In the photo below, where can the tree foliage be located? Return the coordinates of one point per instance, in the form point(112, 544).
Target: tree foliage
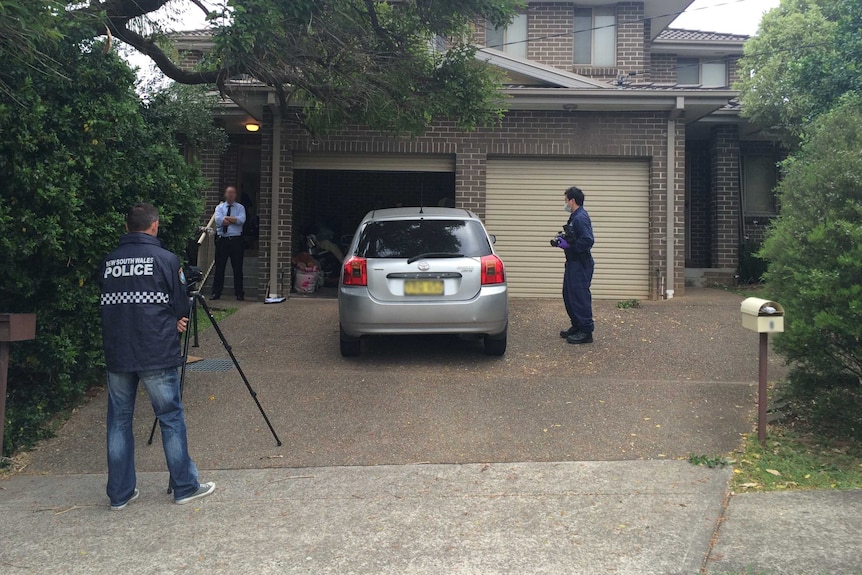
point(806, 56)
point(815, 251)
point(187, 112)
point(806, 87)
point(343, 61)
point(25, 27)
point(75, 154)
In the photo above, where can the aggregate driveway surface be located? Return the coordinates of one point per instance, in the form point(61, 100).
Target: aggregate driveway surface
point(663, 381)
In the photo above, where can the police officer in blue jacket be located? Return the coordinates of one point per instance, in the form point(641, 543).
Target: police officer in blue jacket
point(577, 240)
point(144, 309)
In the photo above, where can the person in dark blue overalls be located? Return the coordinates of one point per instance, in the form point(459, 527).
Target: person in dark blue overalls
point(576, 241)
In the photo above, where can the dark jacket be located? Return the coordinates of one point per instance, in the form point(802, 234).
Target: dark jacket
point(143, 297)
point(581, 237)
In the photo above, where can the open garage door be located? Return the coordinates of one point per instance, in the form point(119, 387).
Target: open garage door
point(525, 209)
point(374, 162)
point(333, 192)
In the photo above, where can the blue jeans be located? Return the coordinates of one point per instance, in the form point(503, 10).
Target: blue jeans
point(577, 296)
point(163, 387)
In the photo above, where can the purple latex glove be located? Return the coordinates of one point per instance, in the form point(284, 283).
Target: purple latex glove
point(564, 245)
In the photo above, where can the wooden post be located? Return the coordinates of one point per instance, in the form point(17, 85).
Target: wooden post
point(13, 327)
point(761, 389)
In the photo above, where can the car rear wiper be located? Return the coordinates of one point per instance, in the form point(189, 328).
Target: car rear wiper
point(435, 255)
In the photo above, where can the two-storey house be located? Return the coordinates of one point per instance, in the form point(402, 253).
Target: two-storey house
point(602, 95)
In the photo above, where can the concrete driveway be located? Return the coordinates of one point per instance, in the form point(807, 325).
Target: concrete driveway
point(662, 381)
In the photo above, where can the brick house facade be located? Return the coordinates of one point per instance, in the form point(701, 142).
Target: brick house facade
point(688, 139)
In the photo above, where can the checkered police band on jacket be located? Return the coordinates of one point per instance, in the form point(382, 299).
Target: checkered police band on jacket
point(143, 298)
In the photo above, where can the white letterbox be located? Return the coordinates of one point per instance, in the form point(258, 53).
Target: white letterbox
point(762, 315)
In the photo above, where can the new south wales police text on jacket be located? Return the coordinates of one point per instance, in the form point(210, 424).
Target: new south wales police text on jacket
point(143, 297)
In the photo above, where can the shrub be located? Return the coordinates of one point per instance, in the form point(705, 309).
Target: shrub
point(814, 252)
point(75, 153)
point(751, 266)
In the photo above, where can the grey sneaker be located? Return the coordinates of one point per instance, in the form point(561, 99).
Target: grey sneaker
point(134, 496)
point(203, 490)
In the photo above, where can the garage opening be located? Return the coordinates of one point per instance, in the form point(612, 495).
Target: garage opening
point(332, 193)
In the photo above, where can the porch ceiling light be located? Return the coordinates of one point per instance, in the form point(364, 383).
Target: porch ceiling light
point(252, 127)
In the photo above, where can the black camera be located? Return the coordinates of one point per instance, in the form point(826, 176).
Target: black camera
point(193, 275)
point(568, 234)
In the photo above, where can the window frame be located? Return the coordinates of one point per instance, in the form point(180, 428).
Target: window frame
point(592, 31)
point(700, 63)
point(746, 192)
point(506, 48)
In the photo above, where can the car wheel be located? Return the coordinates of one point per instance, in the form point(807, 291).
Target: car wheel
point(495, 345)
point(350, 347)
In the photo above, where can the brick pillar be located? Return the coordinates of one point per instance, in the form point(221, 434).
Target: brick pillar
point(647, 50)
point(631, 51)
point(550, 28)
point(470, 168)
point(734, 74)
point(679, 208)
point(724, 152)
point(264, 208)
point(210, 162)
point(284, 272)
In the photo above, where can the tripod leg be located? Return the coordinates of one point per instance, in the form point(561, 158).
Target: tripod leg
point(229, 350)
point(153, 431)
point(194, 319)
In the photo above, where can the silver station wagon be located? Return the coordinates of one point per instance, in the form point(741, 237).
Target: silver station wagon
point(423, 271)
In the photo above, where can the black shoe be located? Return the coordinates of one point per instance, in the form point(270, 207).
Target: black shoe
point(240, 298)
point(215, 297)
point(580, 337)
point(567, 332)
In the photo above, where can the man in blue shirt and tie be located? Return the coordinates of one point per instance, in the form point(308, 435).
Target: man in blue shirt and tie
point(229, 219)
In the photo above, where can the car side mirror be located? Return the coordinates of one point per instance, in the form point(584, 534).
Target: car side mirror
point(493, 239)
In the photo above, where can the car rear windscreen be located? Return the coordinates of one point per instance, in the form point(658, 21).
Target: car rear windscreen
point(411, 238)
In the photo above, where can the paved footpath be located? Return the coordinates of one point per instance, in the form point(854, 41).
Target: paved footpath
point(626, 517)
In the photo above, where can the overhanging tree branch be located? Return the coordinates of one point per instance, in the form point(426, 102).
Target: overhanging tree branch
point(345, 60)
point(148, 47)
point(201, 5)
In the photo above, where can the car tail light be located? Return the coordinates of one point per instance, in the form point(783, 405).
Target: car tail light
point(492, 271)
point(355, 272)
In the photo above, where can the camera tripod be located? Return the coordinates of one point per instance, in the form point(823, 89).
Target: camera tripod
point(195, 299)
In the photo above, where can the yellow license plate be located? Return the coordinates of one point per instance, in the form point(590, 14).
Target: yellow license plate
point(427, 287)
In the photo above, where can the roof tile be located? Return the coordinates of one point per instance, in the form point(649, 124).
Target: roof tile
point(699, 36)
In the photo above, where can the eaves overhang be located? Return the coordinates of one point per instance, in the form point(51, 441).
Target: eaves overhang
point(694, 104)
point(697, 49)
point(193, 40)
point(539, 72)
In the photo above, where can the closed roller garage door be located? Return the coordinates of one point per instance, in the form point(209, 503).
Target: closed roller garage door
point(525, 209)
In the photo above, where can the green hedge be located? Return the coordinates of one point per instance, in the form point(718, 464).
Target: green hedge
point(76, 150)
point(814, 252)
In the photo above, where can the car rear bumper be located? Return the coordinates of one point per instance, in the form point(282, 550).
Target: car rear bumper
point(360, 314)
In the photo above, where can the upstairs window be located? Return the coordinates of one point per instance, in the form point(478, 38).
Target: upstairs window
point(438, 44)
point(759, 178)
point(708, 73)
point(511, 39)
point(596, 36)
